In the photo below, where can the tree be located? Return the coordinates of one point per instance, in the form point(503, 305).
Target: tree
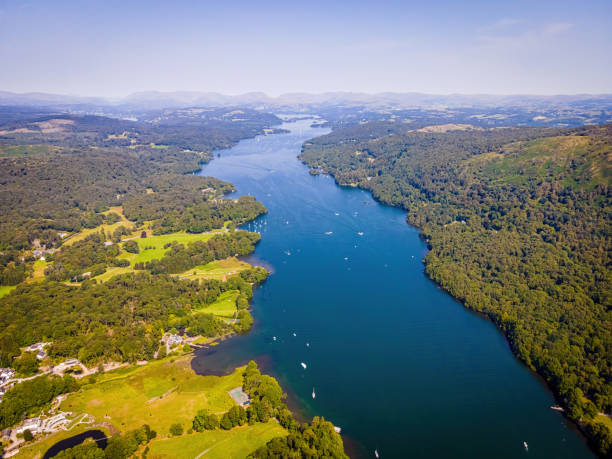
point(226, 422)
point(205, 421)
point(27, 364)
point(131, 246)
point(237, 415)
point(27, 435)
point(176, 429)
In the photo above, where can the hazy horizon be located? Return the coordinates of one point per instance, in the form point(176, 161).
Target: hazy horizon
point(81, 48)
point(298, 92)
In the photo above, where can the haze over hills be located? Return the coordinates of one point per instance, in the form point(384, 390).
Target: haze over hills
point(181, 99)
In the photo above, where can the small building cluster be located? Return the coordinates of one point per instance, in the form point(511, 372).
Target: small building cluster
point(6, 374)
point(40, 425)
point(39, 348)
point(174, 340)
point(66, 364)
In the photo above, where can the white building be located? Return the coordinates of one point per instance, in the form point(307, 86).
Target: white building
point(173, 340)
point(36, 347)
point(6, 374)
point(32, 424)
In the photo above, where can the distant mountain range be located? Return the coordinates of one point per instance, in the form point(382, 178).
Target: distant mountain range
point(181, 99)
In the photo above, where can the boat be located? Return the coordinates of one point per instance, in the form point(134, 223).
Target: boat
point(345, 258)
point(336, 213)
point(313, 393)
point(376, 453)
point(294, 334)
point(337, 429)
point(307, 344)
point(328, 232)
point(360, 233)
point(526, 446)
point(303, 365)
point(274, 338)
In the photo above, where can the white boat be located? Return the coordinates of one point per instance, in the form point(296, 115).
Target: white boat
point(526, 446)
point(294, 334)
point(360, 233)
point(307, 344)
point(345, 258)
point(313, 393)
point(328, 232)
point(376, 453)
point(274, 338)
point(336, 213)
point(338, 429)
point(303, 365)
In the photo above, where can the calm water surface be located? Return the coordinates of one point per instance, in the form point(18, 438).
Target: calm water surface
point(394, 361)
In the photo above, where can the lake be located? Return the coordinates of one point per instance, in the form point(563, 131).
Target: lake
point(96, 435)
point(398, 364)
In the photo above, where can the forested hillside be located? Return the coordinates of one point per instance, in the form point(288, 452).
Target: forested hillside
point(518, 222)
point(59, 173)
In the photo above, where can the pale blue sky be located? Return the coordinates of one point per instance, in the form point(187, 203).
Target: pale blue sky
point(113, 48)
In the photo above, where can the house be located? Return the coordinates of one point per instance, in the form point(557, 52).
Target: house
point(41, 354)
point(174, 340)
point(32, 424)
point(6, 374)
point(70, 362)
point(36, 347)
point(108, 243)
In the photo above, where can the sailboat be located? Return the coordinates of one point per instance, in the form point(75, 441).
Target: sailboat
point(526, 446)
point(313, 393)
point(376, 453)
point(303, 365)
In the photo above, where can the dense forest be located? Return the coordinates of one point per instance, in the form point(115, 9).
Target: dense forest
point(518, 223)
point(122, 319)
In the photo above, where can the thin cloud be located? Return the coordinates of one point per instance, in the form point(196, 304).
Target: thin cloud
point(512, 36)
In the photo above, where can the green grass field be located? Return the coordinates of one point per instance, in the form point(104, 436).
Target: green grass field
point(219, 269)
point(108, 229)
point(6, 289)
point(159, 394)
point(20, 150)
point(225, 306)
point(221, 444)
point(111, 272)
point(39, 271)
point(157, 243)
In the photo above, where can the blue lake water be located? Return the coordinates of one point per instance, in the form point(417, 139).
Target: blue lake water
point(395, 362)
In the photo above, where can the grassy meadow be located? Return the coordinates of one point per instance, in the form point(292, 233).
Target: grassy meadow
point(216, 444)
point(160, 394)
